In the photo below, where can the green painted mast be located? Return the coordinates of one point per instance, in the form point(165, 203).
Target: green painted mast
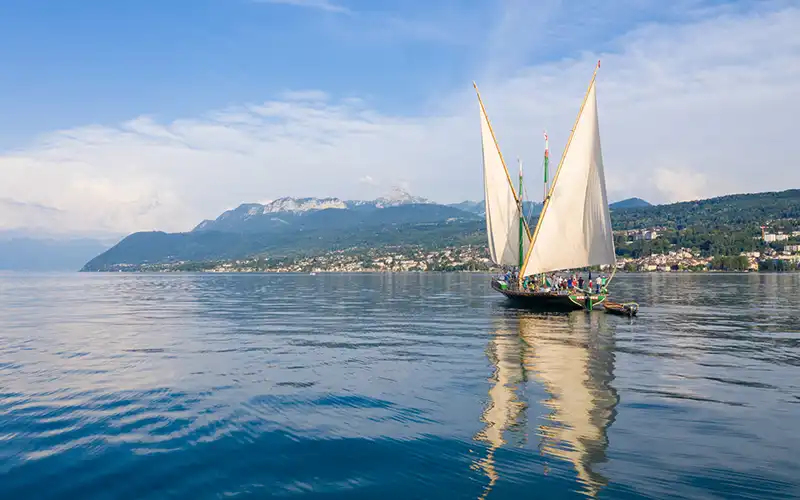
point(546, 187)
point(521, 222)
point(546, 162)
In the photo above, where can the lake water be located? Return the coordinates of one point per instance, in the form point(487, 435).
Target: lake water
point(395, 386)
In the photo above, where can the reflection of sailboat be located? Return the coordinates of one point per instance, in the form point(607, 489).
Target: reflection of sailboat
point(574, 228)
point(576, 364)
point(573, 357)
point(504, 409)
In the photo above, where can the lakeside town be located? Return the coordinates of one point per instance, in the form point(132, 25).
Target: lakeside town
point(475, 258)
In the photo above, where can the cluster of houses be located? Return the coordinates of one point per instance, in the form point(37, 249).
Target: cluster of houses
point(677, 260)
point(641, 234)
point(779, 236)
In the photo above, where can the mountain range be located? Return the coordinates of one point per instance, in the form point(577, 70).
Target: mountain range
point(301, 225)
point(284, 225)
point(311, 213)
point(310, 226)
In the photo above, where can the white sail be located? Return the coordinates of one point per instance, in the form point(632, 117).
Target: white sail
point(574, 229)
point(502, 208)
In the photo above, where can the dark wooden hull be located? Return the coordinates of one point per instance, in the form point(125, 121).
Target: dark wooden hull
point(547, 301)
point(628, 310)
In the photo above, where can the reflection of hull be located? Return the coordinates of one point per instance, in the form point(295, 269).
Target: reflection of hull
point(547, 301)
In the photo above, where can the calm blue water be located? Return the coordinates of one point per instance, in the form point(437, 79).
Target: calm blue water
point(395, 386)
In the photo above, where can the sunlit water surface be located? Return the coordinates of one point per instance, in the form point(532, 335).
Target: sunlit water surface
point(395, 386)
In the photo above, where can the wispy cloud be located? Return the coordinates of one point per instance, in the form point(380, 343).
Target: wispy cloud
point(687, 110)
point(325, 5)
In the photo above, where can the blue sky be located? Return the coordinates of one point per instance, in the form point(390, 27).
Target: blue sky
point(72, 62)
point(165, 104)
point(76, 62)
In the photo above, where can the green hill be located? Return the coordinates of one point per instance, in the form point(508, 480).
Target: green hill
point(732, 211)
point(159, 247)
point(629, 203)
point(727, 225)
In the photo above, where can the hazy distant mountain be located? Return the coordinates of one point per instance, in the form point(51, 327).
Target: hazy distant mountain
point(25, 251)
point(630, 203)
point(531, 208)
point(534, 208)
point(474, 207)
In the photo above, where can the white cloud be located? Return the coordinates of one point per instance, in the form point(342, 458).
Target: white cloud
point(368, 180)
point(680, 184)
point(686, 111)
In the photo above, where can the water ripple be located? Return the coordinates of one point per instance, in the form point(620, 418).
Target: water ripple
point(395, 386)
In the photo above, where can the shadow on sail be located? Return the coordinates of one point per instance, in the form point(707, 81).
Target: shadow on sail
point(572, 356)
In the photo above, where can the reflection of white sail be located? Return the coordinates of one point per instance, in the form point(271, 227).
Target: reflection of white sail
point(575, 363)
point(504, 409)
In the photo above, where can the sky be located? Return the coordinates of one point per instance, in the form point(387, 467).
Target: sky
point(155, 114)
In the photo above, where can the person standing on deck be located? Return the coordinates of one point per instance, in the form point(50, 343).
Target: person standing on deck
point(580, 282)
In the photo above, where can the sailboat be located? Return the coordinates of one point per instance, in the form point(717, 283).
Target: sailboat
point(574, 227)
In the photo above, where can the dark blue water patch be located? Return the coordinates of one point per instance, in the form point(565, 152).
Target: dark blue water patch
point(275, 464)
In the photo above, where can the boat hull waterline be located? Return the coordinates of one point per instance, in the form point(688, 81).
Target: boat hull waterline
point(549, 301)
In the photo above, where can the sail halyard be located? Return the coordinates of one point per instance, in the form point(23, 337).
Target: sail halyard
point(503, 203)
point(566, 246)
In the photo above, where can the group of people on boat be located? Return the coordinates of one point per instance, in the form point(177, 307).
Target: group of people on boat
point(557, 283)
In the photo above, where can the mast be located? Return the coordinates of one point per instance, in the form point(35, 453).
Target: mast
point(546, 187)
point(521, 219)
point(546, 162)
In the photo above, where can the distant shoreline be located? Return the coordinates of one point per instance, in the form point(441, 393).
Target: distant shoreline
point(367, 271)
